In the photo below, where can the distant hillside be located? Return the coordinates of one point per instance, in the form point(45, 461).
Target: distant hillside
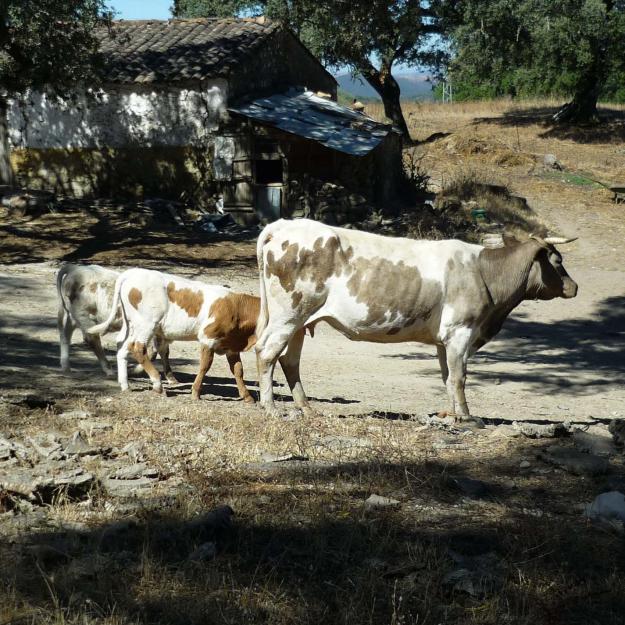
point(413, 86)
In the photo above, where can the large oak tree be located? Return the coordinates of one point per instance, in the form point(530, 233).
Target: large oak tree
point(540, 47)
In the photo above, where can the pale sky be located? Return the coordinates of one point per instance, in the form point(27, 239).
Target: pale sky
point(141, 9)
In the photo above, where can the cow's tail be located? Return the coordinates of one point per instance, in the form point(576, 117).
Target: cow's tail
point(263, 316)
point(61, 274)
point(102, 328)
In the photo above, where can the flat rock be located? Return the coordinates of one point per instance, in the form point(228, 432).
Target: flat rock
point(79, 446)
point(451, 443)
point(75, 414)
point(471, 487)
point(134, 472)
point(575, 461)
point(127, 488)
point(595, 443)
point(23, 482)
point(477, 576)
point(608, 506)
point(377, 501)
point(539, 430)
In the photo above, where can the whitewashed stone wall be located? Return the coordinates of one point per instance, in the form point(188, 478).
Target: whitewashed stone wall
point(146, 116)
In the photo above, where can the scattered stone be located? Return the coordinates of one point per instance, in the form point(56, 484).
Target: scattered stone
point(24, 483)
point(575, 461)
point(607, 506)
point(212, 523)
point(377, 501)
point(476, 575)
point(91, 425)
point(127, 488)
point(53, 451)
point(134, 472)
point(266, 457)
point(471, 487)
point(550, 161)
point(135, 451)
point(594, 444)
point(451, 443)
point(524, 464)
point(505, 431)
point(77, 477)
point(617, 429)
point(203, 553)
point(536, 430)
point(75, 414)
point(79, 446)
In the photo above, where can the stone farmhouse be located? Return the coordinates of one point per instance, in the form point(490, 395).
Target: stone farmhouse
point(235, 107)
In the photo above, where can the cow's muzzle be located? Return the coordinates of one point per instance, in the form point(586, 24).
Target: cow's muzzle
point(569, 288)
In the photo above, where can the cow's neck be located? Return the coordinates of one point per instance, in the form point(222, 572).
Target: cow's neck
point(505, 271)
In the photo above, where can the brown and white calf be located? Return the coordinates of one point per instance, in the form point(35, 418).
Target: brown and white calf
point(451, 294)
point(171, 308)
point(85, 295)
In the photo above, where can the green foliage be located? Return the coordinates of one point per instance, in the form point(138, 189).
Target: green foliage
point(48, 43)
point(538, 47)
point(367, 37)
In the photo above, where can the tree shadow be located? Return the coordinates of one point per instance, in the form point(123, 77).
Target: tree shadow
point(610, 127)
point(582, 356)
point(327, 558)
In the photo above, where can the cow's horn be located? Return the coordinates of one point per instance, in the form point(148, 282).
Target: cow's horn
point(559, 240)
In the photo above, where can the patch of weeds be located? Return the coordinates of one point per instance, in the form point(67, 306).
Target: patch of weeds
point(577, 179)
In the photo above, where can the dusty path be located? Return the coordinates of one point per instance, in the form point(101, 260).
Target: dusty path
point(559, 359)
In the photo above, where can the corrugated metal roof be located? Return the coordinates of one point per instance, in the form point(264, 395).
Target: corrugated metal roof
point(304, 114)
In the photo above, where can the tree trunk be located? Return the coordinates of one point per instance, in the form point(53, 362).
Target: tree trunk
point(582, 109)
point(6, 171)
point(386, 86)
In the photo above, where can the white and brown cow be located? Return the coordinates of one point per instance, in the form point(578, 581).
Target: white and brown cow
point(85, 294)
point(171, 308)
point(451, 294)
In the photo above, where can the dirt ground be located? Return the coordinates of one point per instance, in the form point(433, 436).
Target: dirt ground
point(305, 547)
point(559, 359)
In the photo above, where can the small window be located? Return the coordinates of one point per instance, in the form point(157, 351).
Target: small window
point(269, 172)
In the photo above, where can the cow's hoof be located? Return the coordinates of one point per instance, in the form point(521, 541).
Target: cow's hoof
point(172, 379)
point(195, 396)
point(158, 390)
point(273, 412)
point(248, 399)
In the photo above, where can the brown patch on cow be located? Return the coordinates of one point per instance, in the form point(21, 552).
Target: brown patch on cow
point(189, 300)
point(134, 297)
point(93, 287)
point(296, 298)
point(314, 265)
point(394, 331)
point(392, 290)
point(234, 322)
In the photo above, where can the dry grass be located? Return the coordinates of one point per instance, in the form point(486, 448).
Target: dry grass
point(304, 548)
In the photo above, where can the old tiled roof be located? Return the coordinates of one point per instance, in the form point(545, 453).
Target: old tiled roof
point(178, 50)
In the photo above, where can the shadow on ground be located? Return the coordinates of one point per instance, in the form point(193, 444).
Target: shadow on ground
point(304, 549)
point(582, 356)
point(609, 129)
